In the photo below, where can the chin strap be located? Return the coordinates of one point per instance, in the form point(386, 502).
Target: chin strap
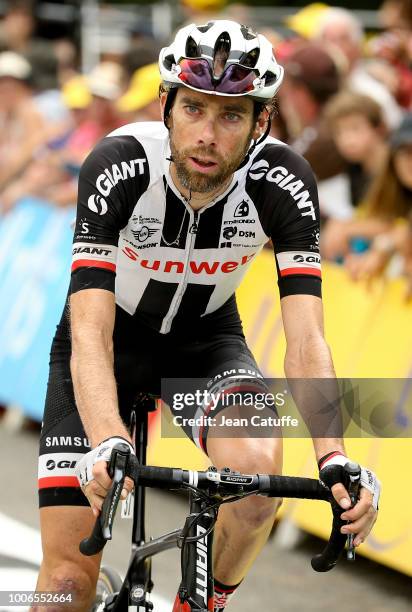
point(254, 145)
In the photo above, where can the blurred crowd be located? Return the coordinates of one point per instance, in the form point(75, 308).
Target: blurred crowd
point(345, 105)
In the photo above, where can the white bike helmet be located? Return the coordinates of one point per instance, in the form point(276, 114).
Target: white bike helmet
point(250, 68)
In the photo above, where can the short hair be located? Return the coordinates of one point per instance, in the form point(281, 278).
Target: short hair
point(347, 103)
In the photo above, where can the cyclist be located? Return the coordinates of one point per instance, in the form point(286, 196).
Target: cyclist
point(169, 218)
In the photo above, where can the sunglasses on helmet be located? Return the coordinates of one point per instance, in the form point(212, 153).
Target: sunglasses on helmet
point(235, 80)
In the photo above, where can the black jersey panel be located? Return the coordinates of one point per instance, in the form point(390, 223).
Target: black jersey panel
point(112, 179)
point(210, 224)
point(194, 303)
point(283, 187)
point(155, 301)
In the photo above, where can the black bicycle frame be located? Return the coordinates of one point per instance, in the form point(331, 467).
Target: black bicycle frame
point(137, 582)
point(196, 588)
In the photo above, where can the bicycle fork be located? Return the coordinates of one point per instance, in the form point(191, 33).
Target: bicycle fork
point(196, 590)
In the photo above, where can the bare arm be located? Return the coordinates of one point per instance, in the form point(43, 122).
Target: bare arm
point(92, 322)
point(308, 357)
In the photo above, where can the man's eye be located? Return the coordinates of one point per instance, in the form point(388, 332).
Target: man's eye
point(232, 116)
point(192, 109)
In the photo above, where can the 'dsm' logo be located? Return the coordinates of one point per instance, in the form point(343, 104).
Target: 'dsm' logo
point(97, 204)
point(229, 232)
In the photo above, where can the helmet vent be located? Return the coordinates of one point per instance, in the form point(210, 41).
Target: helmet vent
point(250, 59)
point(192, 49)
point(248, 33)
point(221, 53)
point(168, 61)
point(205, 28)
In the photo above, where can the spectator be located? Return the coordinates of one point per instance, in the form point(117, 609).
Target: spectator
point(142, 52)
point(359, 132)
point(394, 46)
point(201, 11)
point(44, 78)
point(23, 128)
point(18, 25)
point(311, 78)
point(106, 83)
point(53, 173)
point(141, 100)
point(407, 254)
point(67, 59)
point(388, 206)
point(305, 21)
point(339, 29)
point(396, 14)
point(18, 28)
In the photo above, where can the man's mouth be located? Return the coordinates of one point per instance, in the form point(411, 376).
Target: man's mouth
point(204, 164)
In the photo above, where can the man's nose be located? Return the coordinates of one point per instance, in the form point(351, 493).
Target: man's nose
point(207, 135)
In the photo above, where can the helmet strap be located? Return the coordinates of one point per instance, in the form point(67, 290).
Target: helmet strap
point(171, 95)
point(255, 144)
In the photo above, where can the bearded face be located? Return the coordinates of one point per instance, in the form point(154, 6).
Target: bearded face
point(209, 138)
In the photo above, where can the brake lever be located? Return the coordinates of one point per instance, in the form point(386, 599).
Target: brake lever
point(326, 560)
point(117, 471)
point(353, 474)
point(103, 526)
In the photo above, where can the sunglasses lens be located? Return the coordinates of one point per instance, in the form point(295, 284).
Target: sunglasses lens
point(196, 73)
point(236, 79)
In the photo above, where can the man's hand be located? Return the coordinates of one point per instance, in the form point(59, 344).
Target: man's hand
point(91, 472)
point(365, 512)
point(366, 266)
point(335, 239)
point(363, 515)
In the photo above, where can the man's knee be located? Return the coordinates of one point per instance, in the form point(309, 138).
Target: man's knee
point(247, 455)
point(64, 568)
point(255, 511)
point(250, 456)
point(68, 577)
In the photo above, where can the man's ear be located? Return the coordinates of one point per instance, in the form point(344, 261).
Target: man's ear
point(261, 124)
point(162, 100)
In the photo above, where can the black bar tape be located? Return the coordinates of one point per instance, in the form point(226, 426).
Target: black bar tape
point(158, 477)
point(304, 488)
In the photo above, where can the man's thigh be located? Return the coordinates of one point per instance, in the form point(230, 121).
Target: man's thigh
point(225, 377)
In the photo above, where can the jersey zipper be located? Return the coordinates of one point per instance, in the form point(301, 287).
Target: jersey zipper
point(177, 298)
